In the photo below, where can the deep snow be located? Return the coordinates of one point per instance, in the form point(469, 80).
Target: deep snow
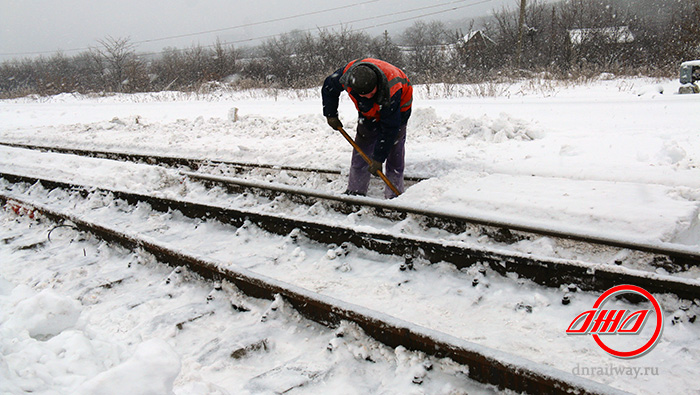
point(614, 157)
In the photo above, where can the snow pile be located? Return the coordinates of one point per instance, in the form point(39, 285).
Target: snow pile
point(45, 345)
point(152, 369)
point(483, 130)
point(44, 315)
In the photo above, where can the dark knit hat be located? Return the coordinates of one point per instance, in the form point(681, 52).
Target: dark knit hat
point(362, 79)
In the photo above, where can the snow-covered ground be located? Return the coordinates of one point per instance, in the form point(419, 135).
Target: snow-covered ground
point(615, 157)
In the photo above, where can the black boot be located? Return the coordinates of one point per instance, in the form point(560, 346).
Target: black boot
point(353, 193)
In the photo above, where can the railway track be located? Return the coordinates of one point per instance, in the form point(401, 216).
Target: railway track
point(545, 271)
point(671, 257)
point(485, 365)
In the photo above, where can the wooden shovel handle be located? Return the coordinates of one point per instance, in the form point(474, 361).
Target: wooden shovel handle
point(368, 160)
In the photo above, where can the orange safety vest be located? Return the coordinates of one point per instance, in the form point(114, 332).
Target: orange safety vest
point(393, 78)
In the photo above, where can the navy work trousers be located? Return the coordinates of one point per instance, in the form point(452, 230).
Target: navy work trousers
point(366, 138)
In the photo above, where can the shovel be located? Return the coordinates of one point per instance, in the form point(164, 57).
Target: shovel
point(368, 160)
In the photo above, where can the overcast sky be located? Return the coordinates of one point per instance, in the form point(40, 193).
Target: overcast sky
point(30, 28)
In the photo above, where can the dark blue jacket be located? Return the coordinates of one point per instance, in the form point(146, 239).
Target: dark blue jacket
point(390, 116)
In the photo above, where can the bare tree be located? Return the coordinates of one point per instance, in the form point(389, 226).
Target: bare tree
point(166, 70)
point(196, 62)
point(688, 42)
point(18, 78)
point(85, 74)
point(55, 75)
point(383, 47)
point(278, 62)
point(299, 59)
point(429, 46)
point(224, 61)
point(118, 63)
point(336, 48)
point(527, 35)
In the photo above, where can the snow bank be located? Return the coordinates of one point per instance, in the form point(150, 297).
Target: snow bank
point(43, 315)
point(45, 345)
point(151, 370)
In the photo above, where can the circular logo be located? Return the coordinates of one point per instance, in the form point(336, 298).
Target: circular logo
point(622, 289)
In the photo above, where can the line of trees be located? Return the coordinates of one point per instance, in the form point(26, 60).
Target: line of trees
point(665, 33)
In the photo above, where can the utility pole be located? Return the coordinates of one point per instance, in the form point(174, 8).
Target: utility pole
point(521, 25)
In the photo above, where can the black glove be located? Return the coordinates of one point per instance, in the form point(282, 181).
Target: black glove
point(374, 166)
point(334, 122)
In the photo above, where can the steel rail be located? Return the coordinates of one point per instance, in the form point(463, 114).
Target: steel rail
point(541, 270)
point(484, 364)
point(172, 161)
point(683, 256)
point(678, 255)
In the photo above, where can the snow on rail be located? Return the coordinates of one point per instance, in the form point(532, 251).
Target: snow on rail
point(485, 364)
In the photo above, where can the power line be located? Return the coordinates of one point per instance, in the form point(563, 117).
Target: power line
point(430, 14)
point(208, 31)
point(340, 24)
point(256, 23)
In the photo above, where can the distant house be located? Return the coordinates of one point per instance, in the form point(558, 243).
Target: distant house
point(477, 41)
point(607, 35)
point(603, 46)
point(469, 49)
